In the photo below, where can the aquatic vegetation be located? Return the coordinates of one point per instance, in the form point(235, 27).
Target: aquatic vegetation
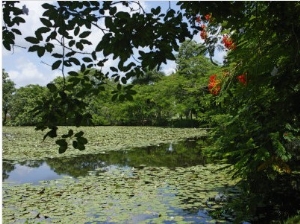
point(131, 189)
point(23, 143)
point(157, 194)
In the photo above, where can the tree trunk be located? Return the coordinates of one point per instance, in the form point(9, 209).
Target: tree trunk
point(4, 117)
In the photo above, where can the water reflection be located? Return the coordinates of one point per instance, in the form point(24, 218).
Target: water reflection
point(183, 154)
point(26, 174)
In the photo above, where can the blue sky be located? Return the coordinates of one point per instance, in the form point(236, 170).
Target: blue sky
point(26, 68)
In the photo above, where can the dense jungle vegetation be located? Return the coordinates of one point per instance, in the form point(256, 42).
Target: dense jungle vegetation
point(251, 101)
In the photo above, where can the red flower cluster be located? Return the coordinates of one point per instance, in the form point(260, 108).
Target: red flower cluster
point(207, 17)
point(203, 19)
point(229, 44)
point(214, 85)
point(242, 79)
point(203, 33)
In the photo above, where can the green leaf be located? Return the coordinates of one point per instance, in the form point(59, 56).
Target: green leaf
point(71, 132)
point(74, 60)
point(84, 41)
point(101, 62)
point(7, 45)
point(32, 40)
point(16, 31)
point(43, 30)
point(72, 73)
point(33, 48)
point(52, 35)
point(18, 20)
point(63, 145)
point(82, 140)
point(41, 51)
point(75, 144)
point(56, 55)
point(94, 56)
point(71, 53)
point(40, 31)
point(156, 11)
point(71, 43)
point(49, 47)
point(82, 69)
point(87, 59)
point(47, 6)
point(80, 147)
point(76, 30)
point(123, 80)
point(79, 46)
point(46, 22)
point(52, 87)
point(85, 34)
point(56, 64)
point(114, 69)
point(52, 133)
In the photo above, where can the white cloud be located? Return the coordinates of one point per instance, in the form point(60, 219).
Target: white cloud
point(169, 68)
point(26, 73)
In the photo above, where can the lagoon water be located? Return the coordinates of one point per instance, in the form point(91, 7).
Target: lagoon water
point(176, 177)
point(182, 154)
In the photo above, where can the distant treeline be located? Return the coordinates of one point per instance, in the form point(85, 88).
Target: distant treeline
point(176, 100)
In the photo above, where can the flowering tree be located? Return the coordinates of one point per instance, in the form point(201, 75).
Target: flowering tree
point(256, 103)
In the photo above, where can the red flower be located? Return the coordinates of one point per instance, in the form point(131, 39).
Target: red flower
point(213, 78)
point(198, 19)
point(228, 42)
point(242, 79)
point(203, 33)
point(208, 17)
point(214, 86)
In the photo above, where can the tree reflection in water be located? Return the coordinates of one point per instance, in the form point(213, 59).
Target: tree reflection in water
point(182, 154)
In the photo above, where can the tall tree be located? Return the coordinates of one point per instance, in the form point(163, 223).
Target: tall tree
point(188, 49)
point(23, 103)
point(8, 88)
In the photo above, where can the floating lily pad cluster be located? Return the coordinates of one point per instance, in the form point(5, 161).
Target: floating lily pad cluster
point(116, 194)
point(137, 195)
point(24, 143)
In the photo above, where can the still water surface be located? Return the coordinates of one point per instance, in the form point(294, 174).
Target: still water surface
point(171, 156)
point(183, 154)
